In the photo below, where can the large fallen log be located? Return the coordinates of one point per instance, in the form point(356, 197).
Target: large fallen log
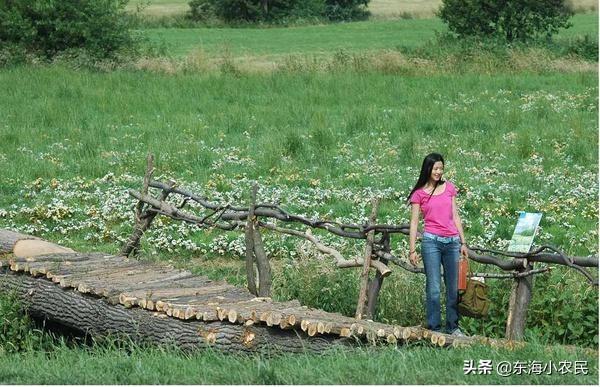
point(94, 316)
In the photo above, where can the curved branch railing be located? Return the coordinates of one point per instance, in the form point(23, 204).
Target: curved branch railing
point(377, 252)
point(228, 217)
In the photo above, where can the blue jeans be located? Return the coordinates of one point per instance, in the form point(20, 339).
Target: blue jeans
point(439, 251)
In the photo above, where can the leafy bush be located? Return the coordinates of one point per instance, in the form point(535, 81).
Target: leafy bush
point(15, 326)
point(49, 28)
point(201, 9)
point(510, 20)
point(276, 11)
point(346, 9)
point(317, 284)
point(585, 48)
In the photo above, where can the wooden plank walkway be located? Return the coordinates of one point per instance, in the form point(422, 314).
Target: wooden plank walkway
point(179, 294)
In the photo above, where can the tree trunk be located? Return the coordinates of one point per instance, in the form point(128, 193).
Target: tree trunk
point(519, 302)
point(8, 239)
point(364, 277)
point(249, 238)
point(262, 262)
point(376, 283)
point(257, 256)
point(143, 219)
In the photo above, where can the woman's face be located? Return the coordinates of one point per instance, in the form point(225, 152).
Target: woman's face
point(437, 171)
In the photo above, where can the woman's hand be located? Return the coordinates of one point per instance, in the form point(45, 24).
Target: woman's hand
point(414, 258)
point(464, 251)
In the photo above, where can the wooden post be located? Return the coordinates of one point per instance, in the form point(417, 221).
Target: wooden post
point(249, 237)
point(519, 302)
point(364, 277)
point(256, 255)
point(143, 219)
point(376, 284)
point(262, 262)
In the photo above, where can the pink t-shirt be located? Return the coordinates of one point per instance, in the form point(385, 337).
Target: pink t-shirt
point(437, 210)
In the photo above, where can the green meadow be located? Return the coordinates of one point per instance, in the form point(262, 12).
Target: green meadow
point(343, 113)
point(321, 39)
point(507, 138)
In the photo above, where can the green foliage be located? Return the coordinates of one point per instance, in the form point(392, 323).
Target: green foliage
point(346, 9)
point(49, 28)
point(564, 309)
point(585, 47)
point(510, 20)
point(15, 326)
point(201, 9)
point(317, 284)
point(278, 11)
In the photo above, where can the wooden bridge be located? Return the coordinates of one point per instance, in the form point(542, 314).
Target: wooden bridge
point(100, 294)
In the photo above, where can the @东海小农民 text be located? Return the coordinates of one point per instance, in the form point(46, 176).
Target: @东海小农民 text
point(531, 367)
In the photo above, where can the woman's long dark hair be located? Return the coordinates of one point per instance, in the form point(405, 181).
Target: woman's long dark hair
point(426, 169)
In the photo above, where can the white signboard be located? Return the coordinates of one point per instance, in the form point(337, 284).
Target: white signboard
point(524, 232)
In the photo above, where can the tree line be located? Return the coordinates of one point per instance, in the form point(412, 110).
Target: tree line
point(274, 11)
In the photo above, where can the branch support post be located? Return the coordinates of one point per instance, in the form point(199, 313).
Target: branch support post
point(520, 298)
point(364, 277)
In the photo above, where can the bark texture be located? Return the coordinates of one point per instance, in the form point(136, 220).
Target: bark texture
point(520, 298)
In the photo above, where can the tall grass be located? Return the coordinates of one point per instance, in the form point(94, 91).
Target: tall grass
point(79, 118)
point(117, 364)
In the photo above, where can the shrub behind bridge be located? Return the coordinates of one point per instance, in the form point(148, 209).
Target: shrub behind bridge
point(51, 27)
point(276, 11)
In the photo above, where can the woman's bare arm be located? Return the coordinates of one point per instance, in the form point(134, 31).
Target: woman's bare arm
point(414, 224)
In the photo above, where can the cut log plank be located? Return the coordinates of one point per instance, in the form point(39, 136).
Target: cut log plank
point(8, 239)
point(255, 309)
point(106, 283)
point(34, 247)
point(148, 293)
point(153, 287)
point(58, 257)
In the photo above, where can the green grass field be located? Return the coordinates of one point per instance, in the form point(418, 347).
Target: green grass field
point(304, 39)
point(279, 128)
point(321, 39)
point(519, 132)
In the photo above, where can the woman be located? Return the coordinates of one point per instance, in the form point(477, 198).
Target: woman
point(442, 240)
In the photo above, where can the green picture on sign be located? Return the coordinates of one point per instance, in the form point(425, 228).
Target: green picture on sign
point(525, 229)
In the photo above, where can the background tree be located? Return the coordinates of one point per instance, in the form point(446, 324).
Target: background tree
point(50, 27)
point(346, 9)
point(508, 19)
point(278, 10)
